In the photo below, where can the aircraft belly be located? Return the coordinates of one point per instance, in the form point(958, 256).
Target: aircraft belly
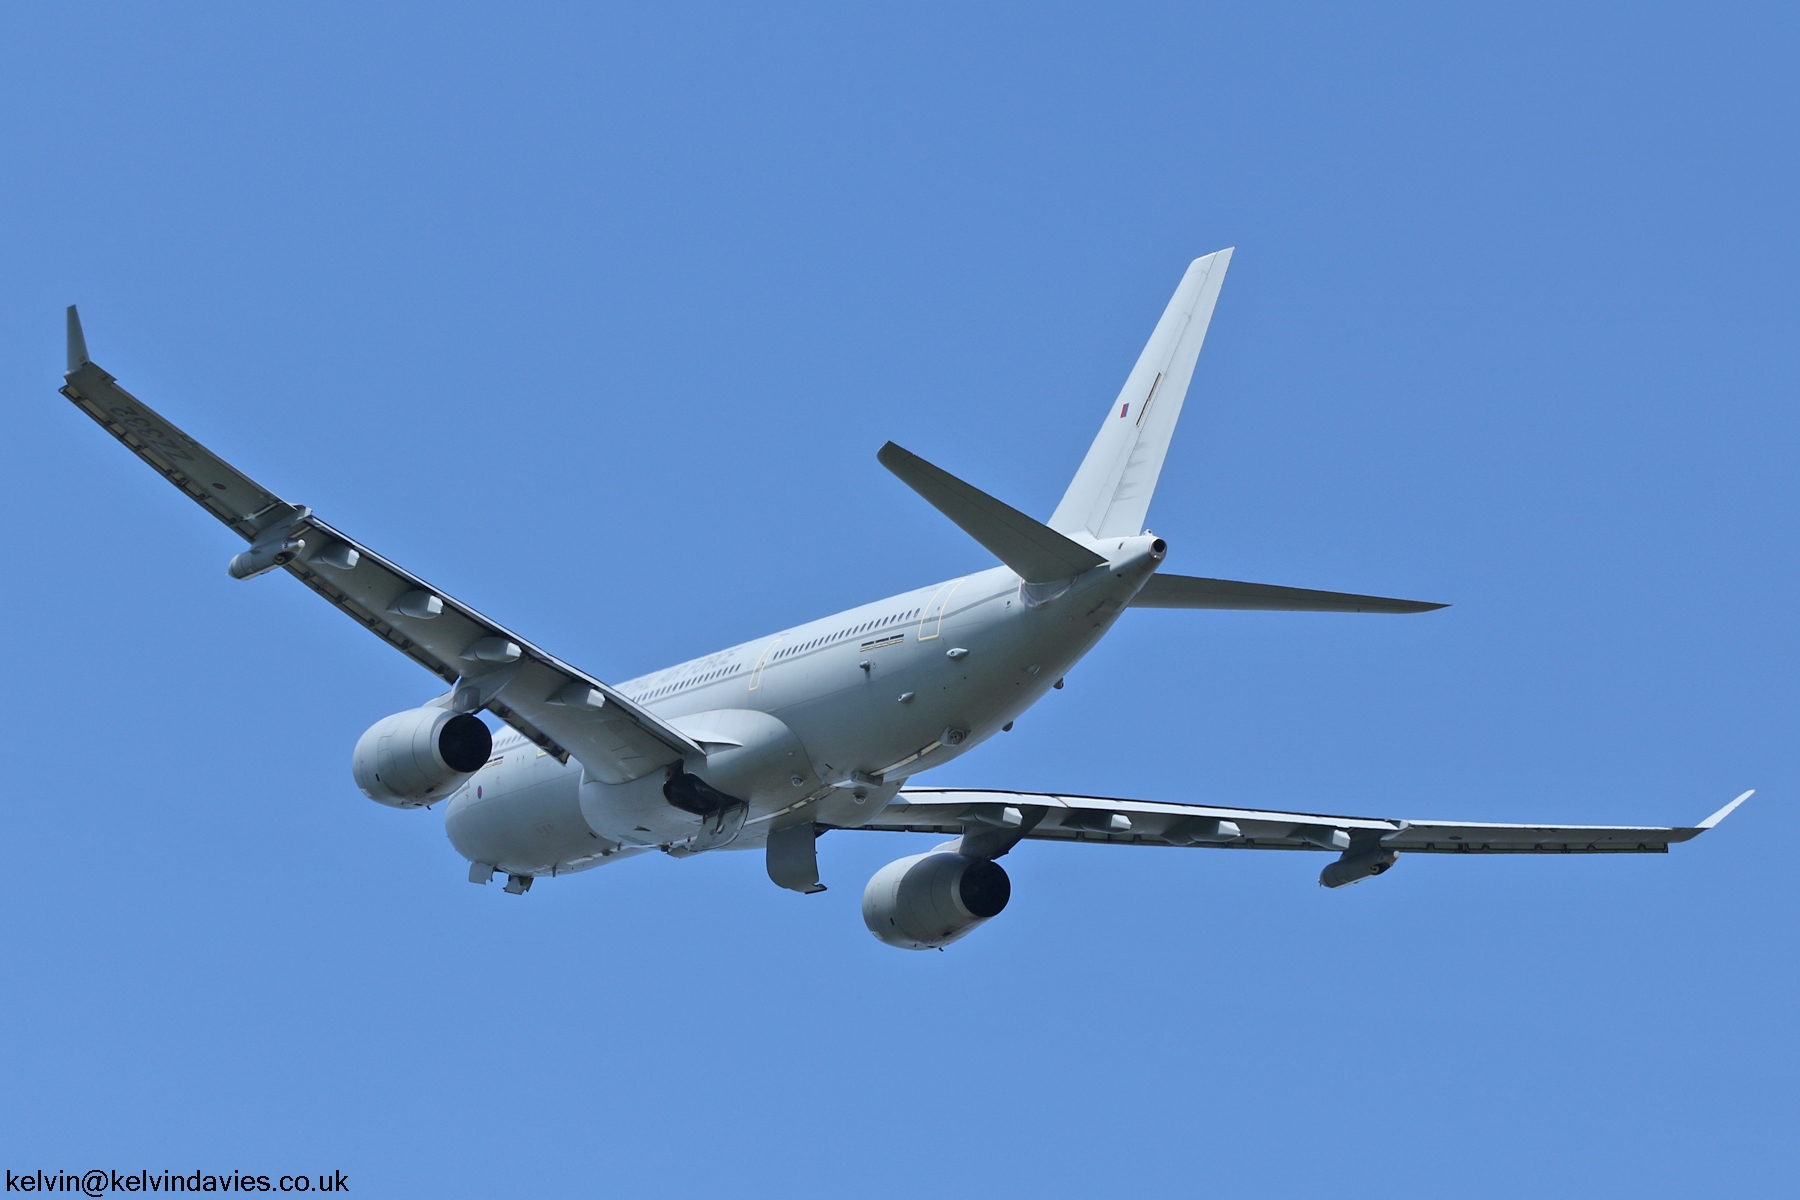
point(867, 726)
point(635, 813)
point(527, 820)
point(840, 727)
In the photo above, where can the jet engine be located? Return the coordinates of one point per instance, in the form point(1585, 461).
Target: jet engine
point(927, 901)
point(419, 756)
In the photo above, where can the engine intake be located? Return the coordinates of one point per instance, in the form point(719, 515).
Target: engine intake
point(419, 756)
point(927, 901)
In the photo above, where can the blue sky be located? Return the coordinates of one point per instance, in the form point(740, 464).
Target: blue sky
point(596, 317)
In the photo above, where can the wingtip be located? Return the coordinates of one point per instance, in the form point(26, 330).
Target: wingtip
point(78, 351)
point(1726, 811)
point(1410, 607)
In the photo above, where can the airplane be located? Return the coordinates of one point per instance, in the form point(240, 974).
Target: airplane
point(821, 727)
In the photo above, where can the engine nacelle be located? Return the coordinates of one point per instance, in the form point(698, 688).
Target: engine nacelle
point(419, 756)
point(927, 901)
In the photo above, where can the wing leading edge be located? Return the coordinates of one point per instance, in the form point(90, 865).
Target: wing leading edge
point(992, 822)
point(560, 708)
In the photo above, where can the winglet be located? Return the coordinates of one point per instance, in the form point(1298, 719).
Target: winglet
point(77, 343)
point(1725, 812)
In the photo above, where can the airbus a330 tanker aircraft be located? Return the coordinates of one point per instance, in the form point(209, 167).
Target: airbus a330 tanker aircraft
point(769, 744)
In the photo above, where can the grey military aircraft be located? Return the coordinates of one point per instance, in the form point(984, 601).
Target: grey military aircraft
point(771, 743)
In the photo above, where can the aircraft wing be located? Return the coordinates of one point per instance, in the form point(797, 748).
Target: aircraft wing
point(991, 822)
point(562, 709)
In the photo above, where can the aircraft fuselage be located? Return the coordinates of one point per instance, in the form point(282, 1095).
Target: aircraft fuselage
point(828, 718)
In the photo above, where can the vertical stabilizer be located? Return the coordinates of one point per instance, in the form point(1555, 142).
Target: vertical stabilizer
point(1110, 494)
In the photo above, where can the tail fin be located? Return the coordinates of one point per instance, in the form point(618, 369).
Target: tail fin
point(1111, 492)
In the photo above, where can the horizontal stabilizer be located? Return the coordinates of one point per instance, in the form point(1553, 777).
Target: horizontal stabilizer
point(1037, 552)
point(1188, 591)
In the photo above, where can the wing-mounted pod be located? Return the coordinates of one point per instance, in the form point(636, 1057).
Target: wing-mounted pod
point(1366, 854)
point(276, 546)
